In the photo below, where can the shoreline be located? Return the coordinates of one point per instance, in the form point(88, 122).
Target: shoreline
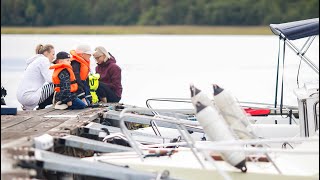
point(166, 30)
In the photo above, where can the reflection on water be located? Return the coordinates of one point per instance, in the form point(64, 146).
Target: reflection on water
point(163, 66)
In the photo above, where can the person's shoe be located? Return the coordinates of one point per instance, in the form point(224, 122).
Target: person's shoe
point(23, 108)
point(40, 107)
point(104, 100)
point(60, 106)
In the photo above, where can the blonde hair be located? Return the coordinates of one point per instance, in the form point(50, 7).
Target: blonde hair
point(99, 51)
point(40, 49)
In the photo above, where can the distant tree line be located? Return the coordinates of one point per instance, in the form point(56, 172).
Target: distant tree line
point(155, 12)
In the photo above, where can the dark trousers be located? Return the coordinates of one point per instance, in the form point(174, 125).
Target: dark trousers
point(105, 91)
point(87, 91)
point(46, 102)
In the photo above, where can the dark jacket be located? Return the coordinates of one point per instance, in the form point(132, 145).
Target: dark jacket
point(65, 95)
point(110, 74)
point(83, 86)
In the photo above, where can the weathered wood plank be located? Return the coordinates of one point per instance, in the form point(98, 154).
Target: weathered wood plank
point(36, 112)
point(19, 131)
point(12, 120)
point(24, 141)
point(7, 122)
point(30, 123)
point(33, 123)
point(9, 136)
point(71, 125)
point(46, 125)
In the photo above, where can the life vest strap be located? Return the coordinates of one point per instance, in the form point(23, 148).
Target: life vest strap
point(58, 85)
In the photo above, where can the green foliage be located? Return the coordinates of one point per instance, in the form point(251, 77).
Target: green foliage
point(155, 12)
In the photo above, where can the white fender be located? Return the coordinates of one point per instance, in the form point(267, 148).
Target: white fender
point(198, 95)
point(233, 113)
point(217, 129)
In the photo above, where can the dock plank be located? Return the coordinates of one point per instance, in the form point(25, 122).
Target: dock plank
point(49, 123)
point(8, 121)
point(30, 122)
point(19, 130)
point(71, 125)
point(11, 136)
point(35, 123)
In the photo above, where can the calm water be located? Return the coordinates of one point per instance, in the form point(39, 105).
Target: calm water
point(163, 66)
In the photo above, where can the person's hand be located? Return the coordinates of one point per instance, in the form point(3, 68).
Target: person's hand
point(85, 101)
point(69, 103)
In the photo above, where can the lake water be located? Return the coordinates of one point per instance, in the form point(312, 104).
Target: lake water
point(163, 66)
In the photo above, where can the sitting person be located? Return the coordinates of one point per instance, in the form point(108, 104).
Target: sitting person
point(80, 62)
point(110, 88)
point(65, 84)
point(36, 88)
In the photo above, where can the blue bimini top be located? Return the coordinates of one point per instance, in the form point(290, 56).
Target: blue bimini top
point(297, 29)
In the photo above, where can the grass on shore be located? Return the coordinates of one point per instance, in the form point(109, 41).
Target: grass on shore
point(192, 30)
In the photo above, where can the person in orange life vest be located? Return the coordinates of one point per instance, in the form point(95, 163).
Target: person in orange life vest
point(110, 87)
point(65, 83)
point(80, 62)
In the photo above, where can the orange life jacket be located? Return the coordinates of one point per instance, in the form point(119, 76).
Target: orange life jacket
point(55, 77)
point(84, 65)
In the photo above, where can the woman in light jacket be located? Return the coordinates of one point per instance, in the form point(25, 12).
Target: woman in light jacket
point(36, 87)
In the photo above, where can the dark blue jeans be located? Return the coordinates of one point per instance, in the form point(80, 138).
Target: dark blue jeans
point(77, 104)
point(87, 92)
point(105, 91)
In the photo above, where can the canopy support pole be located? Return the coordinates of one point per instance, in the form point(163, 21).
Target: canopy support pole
point(299, 53)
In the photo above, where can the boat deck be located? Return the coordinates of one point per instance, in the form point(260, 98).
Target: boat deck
point(18, 131)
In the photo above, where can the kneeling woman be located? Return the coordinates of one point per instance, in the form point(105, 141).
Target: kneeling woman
point(36, 88)
point(110, 88)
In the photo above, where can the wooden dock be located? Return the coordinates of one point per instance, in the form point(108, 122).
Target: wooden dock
point(18, 131)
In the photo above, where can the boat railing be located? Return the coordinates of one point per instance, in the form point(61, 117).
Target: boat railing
point(125, 113)
point(181, 127)
point(284, 110)
point(175, 100)
point(198, 148)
